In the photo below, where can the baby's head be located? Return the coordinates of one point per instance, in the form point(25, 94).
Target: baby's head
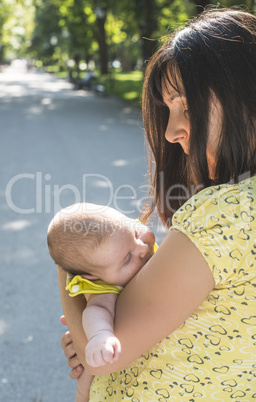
point(75, 232)
point(99, 242)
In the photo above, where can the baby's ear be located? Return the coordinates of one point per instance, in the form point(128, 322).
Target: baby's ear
point(89, 276)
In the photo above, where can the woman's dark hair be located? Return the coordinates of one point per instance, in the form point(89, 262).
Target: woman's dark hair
point(216, 52)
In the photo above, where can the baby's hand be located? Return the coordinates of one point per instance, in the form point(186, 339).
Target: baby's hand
point(103, 348)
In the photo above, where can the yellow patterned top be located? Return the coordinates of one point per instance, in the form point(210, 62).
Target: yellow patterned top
point(212, 356)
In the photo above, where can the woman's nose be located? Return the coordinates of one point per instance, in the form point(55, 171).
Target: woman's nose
point(178, 127)
point(175, 133)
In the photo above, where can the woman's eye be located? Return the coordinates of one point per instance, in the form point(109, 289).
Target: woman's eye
point(186, 112)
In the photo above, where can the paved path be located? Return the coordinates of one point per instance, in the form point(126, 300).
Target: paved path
point(58, 147)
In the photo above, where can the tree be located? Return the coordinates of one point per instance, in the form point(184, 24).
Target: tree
point(47, 32)
point(146, 21)
point(65, 30)
point(101, 15)
point(106, 30)
point(16, 25)
point(5, 13)
point(77, 19)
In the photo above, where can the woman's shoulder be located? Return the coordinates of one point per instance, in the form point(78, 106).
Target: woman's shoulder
point(221, 222)
point(228, 202)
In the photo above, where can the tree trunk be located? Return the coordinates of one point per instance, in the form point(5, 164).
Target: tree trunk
point(101, 37)
point(1, 55)
point(147, 27)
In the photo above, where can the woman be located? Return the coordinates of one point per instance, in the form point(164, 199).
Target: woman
point(187, 321)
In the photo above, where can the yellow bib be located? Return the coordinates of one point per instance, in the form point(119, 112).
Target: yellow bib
point(77, 285)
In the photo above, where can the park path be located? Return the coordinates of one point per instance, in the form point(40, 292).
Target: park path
point(58, 146)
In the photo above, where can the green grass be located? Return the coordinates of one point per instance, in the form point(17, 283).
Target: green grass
point(125, 86)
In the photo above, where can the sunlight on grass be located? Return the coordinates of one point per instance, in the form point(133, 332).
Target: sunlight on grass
point(131, 95)
point(131, 76)
point(126, 86)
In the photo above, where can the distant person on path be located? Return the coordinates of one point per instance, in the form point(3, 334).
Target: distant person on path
point(186, 321)
point(101, 250)
point(87, 81)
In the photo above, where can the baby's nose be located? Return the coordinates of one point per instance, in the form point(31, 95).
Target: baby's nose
point(147, 237)
point(142, 250)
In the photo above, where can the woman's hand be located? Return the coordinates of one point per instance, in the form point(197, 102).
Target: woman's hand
point(69, 350)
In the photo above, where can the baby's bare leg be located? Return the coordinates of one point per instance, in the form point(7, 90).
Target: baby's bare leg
point(83, 387)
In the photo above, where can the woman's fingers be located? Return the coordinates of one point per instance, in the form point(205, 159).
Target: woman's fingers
point(63, 320)
point(66, 340)
point(73, 361)
point(76, 372)
point(70, 353)
point(67, 345)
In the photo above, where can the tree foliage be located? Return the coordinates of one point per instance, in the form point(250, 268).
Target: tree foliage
point(67, 32)
point(126, 30)
point(16, 26)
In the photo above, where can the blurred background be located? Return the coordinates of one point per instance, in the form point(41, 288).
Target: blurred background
point(112, 38)
point(71, 76)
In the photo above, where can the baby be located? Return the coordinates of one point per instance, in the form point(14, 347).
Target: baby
point(101, 250)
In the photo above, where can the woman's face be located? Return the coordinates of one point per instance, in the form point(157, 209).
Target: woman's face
point(178, 127)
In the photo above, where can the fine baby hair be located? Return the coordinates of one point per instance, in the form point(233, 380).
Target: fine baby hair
point(75, 231)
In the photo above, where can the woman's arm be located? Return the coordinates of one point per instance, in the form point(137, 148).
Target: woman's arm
point(73, 308)
point(166, 291)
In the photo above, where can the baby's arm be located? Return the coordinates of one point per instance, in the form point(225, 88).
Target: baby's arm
point(98, 321)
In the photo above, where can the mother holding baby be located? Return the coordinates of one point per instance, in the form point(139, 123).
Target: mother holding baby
point(187, 319)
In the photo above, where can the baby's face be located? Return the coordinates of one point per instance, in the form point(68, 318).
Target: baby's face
point(122, 254)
